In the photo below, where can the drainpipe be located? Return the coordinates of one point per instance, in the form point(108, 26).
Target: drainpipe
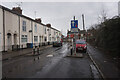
point(3, 30)
point(32, 31)
point(19, 30)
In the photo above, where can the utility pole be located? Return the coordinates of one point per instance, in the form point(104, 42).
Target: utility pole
point(83, 21)
point(74, 17)
point(74, 39)
point(35, 14)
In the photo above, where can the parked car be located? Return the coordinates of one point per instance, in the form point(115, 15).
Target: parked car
point(81, 45)
point(57, 44)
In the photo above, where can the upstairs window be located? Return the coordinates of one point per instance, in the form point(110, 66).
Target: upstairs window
point(24, 26)
point(45, 30)
point(45, 39)
point(35, 28)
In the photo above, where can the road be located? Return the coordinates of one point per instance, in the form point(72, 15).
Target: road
point(52, 63)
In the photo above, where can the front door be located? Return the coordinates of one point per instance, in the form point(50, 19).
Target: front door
point(15, 39)
point(9, 42)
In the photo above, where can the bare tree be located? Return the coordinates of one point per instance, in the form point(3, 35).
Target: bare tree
point(103, 16)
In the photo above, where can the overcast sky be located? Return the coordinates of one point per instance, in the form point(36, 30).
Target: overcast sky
point(59, 14)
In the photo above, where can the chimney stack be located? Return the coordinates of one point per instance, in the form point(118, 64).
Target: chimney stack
point(17, 10)
point(38, 20)
point(83, 22)
point(48, 25)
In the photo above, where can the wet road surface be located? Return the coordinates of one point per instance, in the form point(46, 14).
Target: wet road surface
point(52, 63)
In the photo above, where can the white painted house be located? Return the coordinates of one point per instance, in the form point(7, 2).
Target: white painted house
point(11, 31)
point(18, 31)
point(1, 29)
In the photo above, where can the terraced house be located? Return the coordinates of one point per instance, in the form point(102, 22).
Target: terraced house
point(19, 31)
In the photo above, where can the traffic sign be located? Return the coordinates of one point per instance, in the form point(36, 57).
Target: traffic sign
point(74, 30)
point(74, 23)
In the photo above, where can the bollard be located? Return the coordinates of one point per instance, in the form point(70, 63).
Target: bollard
point(38, 50)
point(71, 51)
point(33, 50)
point(22, 46)
point(38, 57)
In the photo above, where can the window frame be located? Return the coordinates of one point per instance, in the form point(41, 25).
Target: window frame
point(24, 38)
point(45, 30)
point(35, 28)
point(24, 26)
point(35, 38)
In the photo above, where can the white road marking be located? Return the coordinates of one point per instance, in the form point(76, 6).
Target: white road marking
point(50, 55)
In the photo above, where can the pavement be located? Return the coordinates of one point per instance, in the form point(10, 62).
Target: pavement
point(105, 64)
point(13, 54)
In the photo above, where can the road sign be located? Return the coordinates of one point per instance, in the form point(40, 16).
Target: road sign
point(74, 23)
point(74, 30)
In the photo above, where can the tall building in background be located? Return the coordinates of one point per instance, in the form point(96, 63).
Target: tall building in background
point(119, 8)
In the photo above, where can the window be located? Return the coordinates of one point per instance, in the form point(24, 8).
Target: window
point(35, 28)
point(45, 38)
point(54, 32)
point(35, 38)
point(45, 30)
point(24, 38)
point(24, 26)
point(50, 38)
point(54, 39)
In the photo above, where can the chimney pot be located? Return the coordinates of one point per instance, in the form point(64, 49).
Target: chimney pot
point(17, 10)
point(38, 20)
point(48, 25)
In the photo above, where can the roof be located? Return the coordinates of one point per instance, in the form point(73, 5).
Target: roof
point(7, 9)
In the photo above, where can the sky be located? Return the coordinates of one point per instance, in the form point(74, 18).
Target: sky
point(60, 14)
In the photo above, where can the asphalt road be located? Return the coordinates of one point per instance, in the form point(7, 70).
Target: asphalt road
point(52, 63)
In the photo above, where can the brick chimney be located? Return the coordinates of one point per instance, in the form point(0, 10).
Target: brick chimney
point(17, 10)
point(38, 20)
point(48, 25)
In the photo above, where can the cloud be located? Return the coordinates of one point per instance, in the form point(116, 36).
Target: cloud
point(59, 14)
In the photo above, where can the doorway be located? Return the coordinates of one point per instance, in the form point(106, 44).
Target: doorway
point(15, 39)
point(9, 41)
